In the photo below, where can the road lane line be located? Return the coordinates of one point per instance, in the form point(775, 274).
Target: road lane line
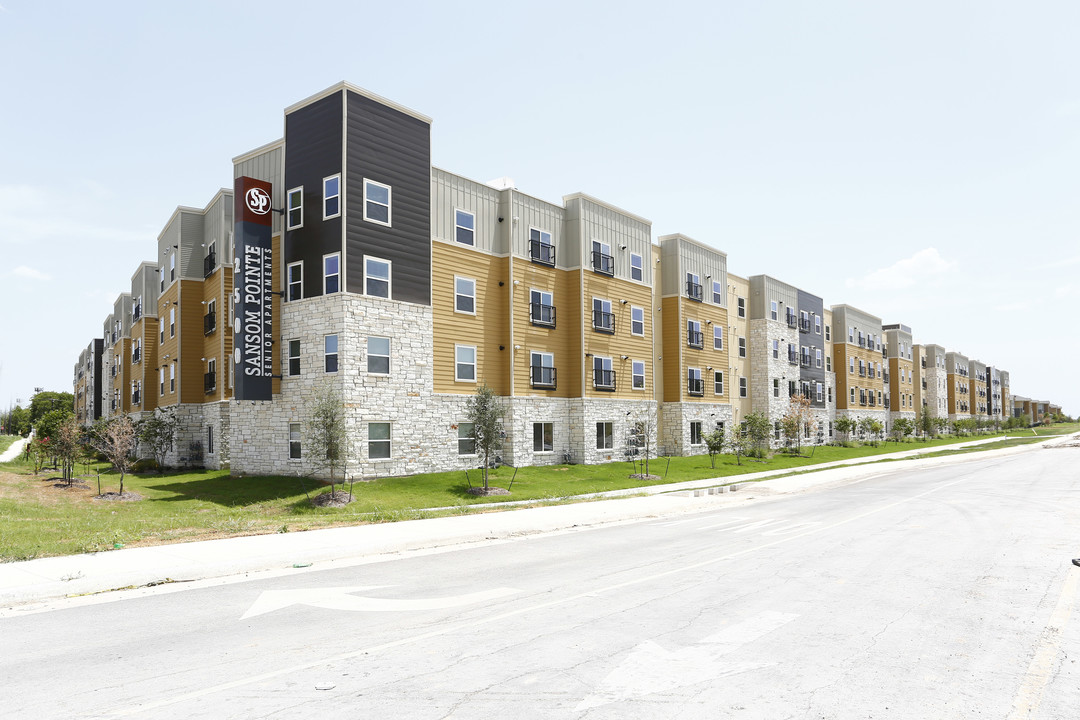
point(352, 654)
point(1029, 695)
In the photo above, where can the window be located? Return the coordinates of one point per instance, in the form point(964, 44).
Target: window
point(637, 321)
point(541, 309)
point(331, 273)
point(172, 266)
point(331, 196)
point(604, 436)
point(542, 370)
point(172, 377)
point(543, 437)
point(136, 351)
point(378, 446)
point(817, 324)
point(717, 337)
point(603, 375)
point(828, 333)
point(540, 248)
point(637, 376)
point(776, 430)
point(376, 202)
point(210, 439)
point(294, 210)
point(718, 383)
point(376, 277)
point(776, 348)
point(294, 441)
point(742, 347)
point(378, 355)
point(466, 439)
point(717, 292)
point(693, 286)
point(829, 396)
point(742, 307)
point(161, 379)
point(330, 351)
point(774, 312)
point(464, 227)
point(851, 367)
point(464, 295)
point(294, 358)
point(210, 379)
point(817, 357)
point(776, 387)
point(694, 338)
point(602, 261)
point(852, 396)
point(742, 387)
point(695, 432)
point(295, 278)
point(637, 267)
point(694, 383)
point(828, 364)
point(465, 363)
point(603, 318)
point(172, 322)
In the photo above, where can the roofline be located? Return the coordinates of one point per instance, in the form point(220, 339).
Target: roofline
point(344, 85)
point(280, 142)
point(692, 241)
point(609, 206)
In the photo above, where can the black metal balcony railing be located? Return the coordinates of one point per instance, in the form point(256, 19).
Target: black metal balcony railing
point(540, 314)
point(136, 398)
point(136, 355)
point(114, 337)
point(870, 372)
point(543, 377)
point(695, 339)
point(542, 252)
point(862, 372)
point(136, 313)
point(603, 321)
point(862, 399)
point(693, 290)
point(695, 386)
point(209, 323)
point(804, 361)
point(884, 376)
point(114, 371)
point(604, 379)
point(602, 263)
point(793, 357)
point(804, 325)
point(210, 382)
point(792, 320)
point(208, 264)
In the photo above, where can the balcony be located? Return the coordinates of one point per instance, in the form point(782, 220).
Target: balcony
point(695, 339)
point(862, 398)
point(209, 264)
point(136, 398)
point(862, 342)
point(870, 372)
point(792, 320)
point(136, 313)
point(542, 253)
point(804, 325)
point(804, 361)
point(542, 315)
point(114, 371)
point(603, 321)
point(603, 264)
point(693, 290)
point(695, 386)
point(136, 355)
point(862, 372)
point(542, 377)
point(793, 357)
point(209, 323)
point(885, 376)
point(210, 382)
point(604, 379)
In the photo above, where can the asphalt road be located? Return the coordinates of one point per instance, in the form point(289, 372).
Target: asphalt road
point(946, 593)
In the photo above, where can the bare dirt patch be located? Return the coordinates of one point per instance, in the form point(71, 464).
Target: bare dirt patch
point(339, 499)
point(484, 492)
point(643, 476)
point(118, 497)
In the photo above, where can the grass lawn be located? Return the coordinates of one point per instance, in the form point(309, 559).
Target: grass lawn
point(40, 517)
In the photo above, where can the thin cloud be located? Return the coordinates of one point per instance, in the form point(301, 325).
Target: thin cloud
point(30, 273)
point(905, 273)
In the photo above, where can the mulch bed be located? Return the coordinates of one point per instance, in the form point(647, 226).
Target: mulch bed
point(643, 476)
point(117, 497)
point(338, 499)
point(491, 490)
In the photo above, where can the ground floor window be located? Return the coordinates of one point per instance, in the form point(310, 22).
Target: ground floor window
point(294, 441)
point(378, 441)
point(720, 426)
point(604, 436)
point(466, 439)
point(209, 439)
point(543, 437)
point(695, 432)
point(776, 430)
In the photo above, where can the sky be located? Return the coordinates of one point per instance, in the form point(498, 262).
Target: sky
point(917, 160)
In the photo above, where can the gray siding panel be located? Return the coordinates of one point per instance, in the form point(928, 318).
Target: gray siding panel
point(393, 148)
point(529, 212)
point(450, 193)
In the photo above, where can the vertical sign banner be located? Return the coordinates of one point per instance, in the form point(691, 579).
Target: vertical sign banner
point(253, 306)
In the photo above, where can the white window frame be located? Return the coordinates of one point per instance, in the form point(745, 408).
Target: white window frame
point(717, 292)
point(817, 357)
point(290, 208)
point(640, 267)
point(607, 441)
point(172, 378)
point(740, 304)
point(718, 382)
point(172, 322)
point(336, 353)
point(296, 439)
point(338, 196)
point(389, 203)
point(634, 374)
point(289, 281)
point(389, 276)
point(458, 226)
point(470, 437)
point(774, 310)
point(743, 390)
point(161, 379)
point(699, 433)
point(325, 258)
point(543, 433)
point(820, 388)
point(742, 347)
point(458, 363)
point(718, 337)
point(459, 294)
point(634, 322)
point(289, 357)
point(389, 441)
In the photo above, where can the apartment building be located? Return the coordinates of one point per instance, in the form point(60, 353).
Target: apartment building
point(739, 370)
point(696, 372)
point(900, 375)
point(978, 389)
point(958, 383)
point(931, 380)
point(142, 360)
point(857, 359)
point(1006, 395)
point(88, 383)
point(994, 396)
point(117, 397)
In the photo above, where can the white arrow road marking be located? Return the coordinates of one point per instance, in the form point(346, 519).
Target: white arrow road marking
point(650, 668)
point(340, 598)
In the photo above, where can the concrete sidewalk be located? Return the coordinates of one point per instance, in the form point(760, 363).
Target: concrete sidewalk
point(57, 577)
point(13, 452)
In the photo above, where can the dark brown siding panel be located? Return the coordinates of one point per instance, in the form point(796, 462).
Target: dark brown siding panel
point(313, 139)
point(392, 148)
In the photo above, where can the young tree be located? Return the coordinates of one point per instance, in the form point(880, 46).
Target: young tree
point(485, 413)
point(846, 424)
point(326, 439)
point(798, 417)
point(925, 423)
point(738, 443)
point(44, 402)
point(756, 427)
point(901, 428)
point(116, 440)
point(157, 433)
point(67, 446)
point(644, 429)
point(714, 443)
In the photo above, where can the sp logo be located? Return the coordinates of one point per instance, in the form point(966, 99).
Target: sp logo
point(258, 201)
